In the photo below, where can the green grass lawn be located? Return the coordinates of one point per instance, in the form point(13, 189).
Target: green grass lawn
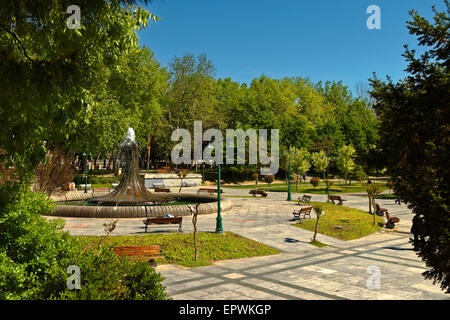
point(355, 223)
point(261, 185)
point(306, 187)
point(178, 248)
point(384, 196)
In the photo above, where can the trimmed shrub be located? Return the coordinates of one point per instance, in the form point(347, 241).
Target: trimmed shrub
point(315, 181)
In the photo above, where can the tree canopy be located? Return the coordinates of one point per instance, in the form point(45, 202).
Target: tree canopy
point(415, 141)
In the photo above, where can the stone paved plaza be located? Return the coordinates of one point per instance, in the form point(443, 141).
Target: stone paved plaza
point(301, 271)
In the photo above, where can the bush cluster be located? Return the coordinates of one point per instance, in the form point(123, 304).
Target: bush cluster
point(35, 254)
point(231, 175)
point(80, 179)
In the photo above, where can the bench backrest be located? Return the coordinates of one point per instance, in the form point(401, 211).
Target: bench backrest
point(306, 209)
point(137, 250)
point(257, 191)
point(335, 197)
point(306, 197)
point(164, 220)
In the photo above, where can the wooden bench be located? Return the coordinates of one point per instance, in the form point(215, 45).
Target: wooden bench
point(380, 211)
point(391, 221)
point(139, 252)
point(337, 198)
point(161, 189)
point(305, 199)
point(254, 192)
point(306, 211)
point(159, 221)
point(209, 190)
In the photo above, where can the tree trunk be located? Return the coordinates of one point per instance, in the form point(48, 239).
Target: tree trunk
point(374, 212)
point(194, 222)
point(316, 228)
point(149, 140)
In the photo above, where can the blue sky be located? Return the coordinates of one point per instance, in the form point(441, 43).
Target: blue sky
point(321, 39)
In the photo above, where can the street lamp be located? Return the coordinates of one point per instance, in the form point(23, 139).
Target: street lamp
point(219, 227)
point(86, 172)
point(289, 197)
point(203, 171)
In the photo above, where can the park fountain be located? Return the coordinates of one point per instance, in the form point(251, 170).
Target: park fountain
point(131, 191)
point(131, 199)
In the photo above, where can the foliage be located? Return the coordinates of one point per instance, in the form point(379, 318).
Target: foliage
point(359, 174)
point(301, 161)
point(344, 161)
point(53, 72)
point(106, 276)
point(320, 161)
point(414, 114)
point(35, 254)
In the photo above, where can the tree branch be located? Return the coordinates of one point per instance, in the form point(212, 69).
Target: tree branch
point(14, 35)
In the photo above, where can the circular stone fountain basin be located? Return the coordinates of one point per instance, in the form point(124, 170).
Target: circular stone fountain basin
point(208, 204)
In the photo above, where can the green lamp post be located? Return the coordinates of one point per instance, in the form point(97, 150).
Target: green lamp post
point(203, 171)
point(85, 173)
point(289, 197)
point(219, 228)
point(289, 177)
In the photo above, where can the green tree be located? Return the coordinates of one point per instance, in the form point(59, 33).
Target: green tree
point(53, 72)
point(414, 114)
point(344, 161)
point(300, 162)
point(320, 161)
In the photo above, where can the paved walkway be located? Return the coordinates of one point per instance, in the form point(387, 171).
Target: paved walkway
point(344, 270)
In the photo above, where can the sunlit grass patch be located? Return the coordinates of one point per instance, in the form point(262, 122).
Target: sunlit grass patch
point(343, 222)
point(178, 248)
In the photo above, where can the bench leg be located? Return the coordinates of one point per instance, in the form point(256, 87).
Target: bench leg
point(180, 229)
point(340, 203)
point(146, 227)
